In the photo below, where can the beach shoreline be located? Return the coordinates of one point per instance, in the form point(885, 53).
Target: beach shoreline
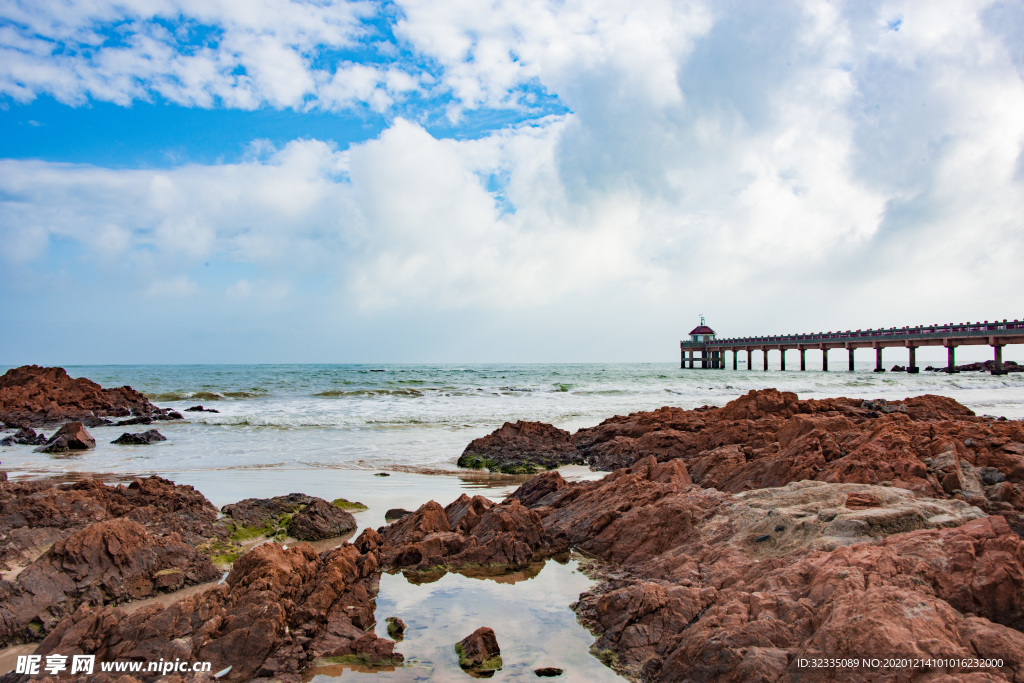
point(755, 508)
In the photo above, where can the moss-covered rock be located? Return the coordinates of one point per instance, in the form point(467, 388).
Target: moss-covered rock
point(521, 448)
point(479, 652)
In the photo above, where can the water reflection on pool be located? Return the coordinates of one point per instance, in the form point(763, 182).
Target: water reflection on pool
point(528, 610)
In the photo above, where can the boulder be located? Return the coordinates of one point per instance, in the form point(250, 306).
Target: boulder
point(468, 532)
point(396, 513)
point(72, 436)
point(479, 652)
point(320, 520)
point(547, 672)
point(396, 628)
point(521, 448)
point(200, 409)
point(140, 438)
point(302, 517)
point(265, 512)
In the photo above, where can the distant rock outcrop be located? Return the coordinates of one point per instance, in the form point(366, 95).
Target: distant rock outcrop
point(35, 396)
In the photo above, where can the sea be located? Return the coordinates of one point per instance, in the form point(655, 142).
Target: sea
point(419, 418)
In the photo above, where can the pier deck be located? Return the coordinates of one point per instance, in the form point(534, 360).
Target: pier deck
point(712, 353)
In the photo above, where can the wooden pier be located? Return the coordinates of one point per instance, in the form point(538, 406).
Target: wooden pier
point(704, 350)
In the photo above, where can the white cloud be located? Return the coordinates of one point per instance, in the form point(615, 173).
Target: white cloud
point(739, 159)
point(234, 54)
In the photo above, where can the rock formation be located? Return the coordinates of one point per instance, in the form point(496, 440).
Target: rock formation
point(479, 652)
point(931, 445)
point(71, 544)
point(521, 448)
point(105, 563)
point(139, 438)
point(35, 396)
point(729, 543)
point(72, 436)
point(302, 517)
point(468, 532)
point(278, 610)
point(705, 585)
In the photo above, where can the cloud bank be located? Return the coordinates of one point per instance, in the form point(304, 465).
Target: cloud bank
point(781, 166)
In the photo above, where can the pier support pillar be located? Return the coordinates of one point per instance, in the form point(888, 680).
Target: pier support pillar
point(950, 359)
point(878, 359)
point(803, 360)
point(750, 359)
point(824, 360)
point(765, 351)
point(691, 359)
point(851, 358)
point(682, 358)
point(735, 354)
point(997, 367)
point(912, 367)
point(782, 359)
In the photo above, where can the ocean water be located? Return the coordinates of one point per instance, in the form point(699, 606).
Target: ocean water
point(420, 417)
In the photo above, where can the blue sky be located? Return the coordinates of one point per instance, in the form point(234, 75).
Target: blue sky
point(461, 181)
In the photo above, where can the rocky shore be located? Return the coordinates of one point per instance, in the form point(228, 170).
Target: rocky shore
point(728, 543)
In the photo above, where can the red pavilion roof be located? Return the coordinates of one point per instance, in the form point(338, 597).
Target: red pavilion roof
point(702, 329)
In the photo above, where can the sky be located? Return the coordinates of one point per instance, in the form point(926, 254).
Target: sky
point(260, 181)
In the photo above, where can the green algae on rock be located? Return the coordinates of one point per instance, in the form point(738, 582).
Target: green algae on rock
point(479, 652)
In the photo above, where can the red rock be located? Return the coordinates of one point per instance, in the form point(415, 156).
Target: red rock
point(104, 563)
point(469, 532)
point(479, 651)
point(706, 585)
point(521, 447)
point(34, 396)
point(278, 609)
point(72, 436)
point(928, 444)
point(862, 500)
point(320, 520)
point(156, 503)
